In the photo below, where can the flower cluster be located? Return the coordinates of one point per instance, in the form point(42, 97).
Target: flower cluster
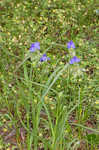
point(70, 45)
point(44, 58)
point(34, 46)
point(73, 59)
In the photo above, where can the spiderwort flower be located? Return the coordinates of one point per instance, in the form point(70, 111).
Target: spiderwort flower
point(70, 45)
point(44, 58)
point(34, 46)
point(74, 60)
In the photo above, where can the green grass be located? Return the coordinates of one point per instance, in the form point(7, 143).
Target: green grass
point(51, 105)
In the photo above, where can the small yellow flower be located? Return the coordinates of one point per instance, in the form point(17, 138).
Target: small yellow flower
point(54, 10)
point(66, 131)
point(41, 18)
point(9, 33)
point(97, 67)
point(97, 102)
point(0, 146)
point(4, 120)
point(80, 79)
point(4, 129)
point(35, 101)
point(40, 134)
point(61, 63)
point(52, 107)
point(36, 7)
point(8, 148)
point(46, 99)
point(58, 86)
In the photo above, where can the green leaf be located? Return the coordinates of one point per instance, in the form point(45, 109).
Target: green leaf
point(93, 138)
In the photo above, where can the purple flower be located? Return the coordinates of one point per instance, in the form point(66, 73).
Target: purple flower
point(34, 46)
point(44, 58)
point(74, 60)
point(70, 45)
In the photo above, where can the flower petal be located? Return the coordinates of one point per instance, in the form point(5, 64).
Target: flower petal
point(70, 45)
point(37, 45)
point(73, 60)
point(34, 46)
point(44, 58)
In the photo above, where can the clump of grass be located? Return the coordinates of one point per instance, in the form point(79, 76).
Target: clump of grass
point(49, 89)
